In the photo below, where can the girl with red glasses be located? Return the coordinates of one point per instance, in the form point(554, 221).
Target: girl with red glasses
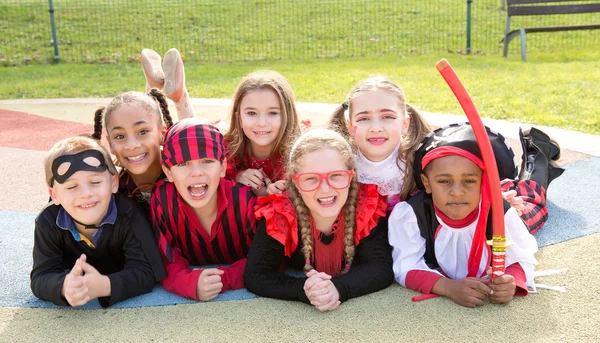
point(327, 225)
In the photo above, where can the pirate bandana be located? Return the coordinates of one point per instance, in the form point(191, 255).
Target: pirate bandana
point(66, 165)
point(192, 141)
point(459, 139)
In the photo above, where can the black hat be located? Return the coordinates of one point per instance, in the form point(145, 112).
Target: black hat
point(461, 136)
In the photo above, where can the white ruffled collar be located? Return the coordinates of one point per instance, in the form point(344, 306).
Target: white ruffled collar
point(386, 174)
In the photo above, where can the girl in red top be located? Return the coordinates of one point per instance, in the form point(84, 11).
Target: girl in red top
point(327, 224)
point(263, 122)
point(135, 124)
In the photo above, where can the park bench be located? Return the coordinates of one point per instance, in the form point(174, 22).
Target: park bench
point(544, 7)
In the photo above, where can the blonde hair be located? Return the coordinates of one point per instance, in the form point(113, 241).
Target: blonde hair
point(418, 127)
point(237, 142)
point(70, 146)
point(313, 140)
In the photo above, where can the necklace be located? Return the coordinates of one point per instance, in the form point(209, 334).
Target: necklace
point(256, 163)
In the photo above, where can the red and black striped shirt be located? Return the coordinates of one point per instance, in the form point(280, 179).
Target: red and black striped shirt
point(184, 242)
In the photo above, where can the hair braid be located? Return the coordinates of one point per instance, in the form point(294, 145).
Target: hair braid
point(418, 128)
point(338, 122)
point(303, 223)
point(161, 99)
point(350, 224)
point(98, 123)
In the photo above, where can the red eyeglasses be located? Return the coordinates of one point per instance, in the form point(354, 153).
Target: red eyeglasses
point(337, 179)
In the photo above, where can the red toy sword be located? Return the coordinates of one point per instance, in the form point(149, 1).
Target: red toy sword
point(489, 161)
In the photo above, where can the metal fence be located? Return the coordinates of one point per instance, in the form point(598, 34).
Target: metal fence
point(108, 31)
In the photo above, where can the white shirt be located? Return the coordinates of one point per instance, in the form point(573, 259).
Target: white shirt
point(386, 174)
point(453, 245)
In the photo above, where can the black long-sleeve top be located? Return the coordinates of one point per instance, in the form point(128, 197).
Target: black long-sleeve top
point(371, 269)
point(126, 252)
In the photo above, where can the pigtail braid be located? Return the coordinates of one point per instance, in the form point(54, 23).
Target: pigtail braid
point(161, 99)
point(97, 135)
point(418, 128)
point(350, 224)
point(303, 223)
point(338, 122)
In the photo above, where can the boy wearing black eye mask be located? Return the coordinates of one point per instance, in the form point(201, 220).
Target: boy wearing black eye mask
point(90, 242)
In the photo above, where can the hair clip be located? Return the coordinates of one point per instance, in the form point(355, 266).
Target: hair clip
point(345, 105)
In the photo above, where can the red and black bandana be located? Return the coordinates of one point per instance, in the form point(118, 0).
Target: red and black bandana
point(192, 141)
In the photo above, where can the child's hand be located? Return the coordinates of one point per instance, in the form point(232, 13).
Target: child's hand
point(514, 200)
point(252, 178)
point(74, 288)
point(98, 285)
point(276, 187)
point(209, 284)
point(503, 288)
point(469, 292)
point(324, 296)
point(321, 292)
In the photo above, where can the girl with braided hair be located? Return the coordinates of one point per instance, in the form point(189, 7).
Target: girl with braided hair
point(135, 124)
point(328, 225)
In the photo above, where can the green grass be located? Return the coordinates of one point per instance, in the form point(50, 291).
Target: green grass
point(323, 46)
point(559, 89)
point(109, 31)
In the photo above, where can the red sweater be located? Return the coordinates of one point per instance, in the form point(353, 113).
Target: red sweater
point(273, 168)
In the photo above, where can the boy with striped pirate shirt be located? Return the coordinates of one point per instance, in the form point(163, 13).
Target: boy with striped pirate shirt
point(200, 217)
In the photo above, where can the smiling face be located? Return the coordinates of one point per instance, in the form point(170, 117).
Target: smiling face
point(455, 185)
point(197, 181)
point(134, 137)
point(85, 195)
point(260, 115)
point(324, 202)
point(378, 119)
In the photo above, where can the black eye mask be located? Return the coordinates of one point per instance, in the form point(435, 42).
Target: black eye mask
point(87, 160)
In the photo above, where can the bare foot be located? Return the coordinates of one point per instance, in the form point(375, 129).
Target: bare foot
point(174, 75)
point(175, 84)
point(155, 77)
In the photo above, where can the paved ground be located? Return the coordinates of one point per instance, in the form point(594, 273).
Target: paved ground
point(28, 129)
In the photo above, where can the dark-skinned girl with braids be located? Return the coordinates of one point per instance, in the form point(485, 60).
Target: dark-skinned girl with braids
point(135, 124)
point(327, 224)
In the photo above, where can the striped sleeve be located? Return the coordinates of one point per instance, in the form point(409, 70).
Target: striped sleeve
point(180, 279)
point(239, 228)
